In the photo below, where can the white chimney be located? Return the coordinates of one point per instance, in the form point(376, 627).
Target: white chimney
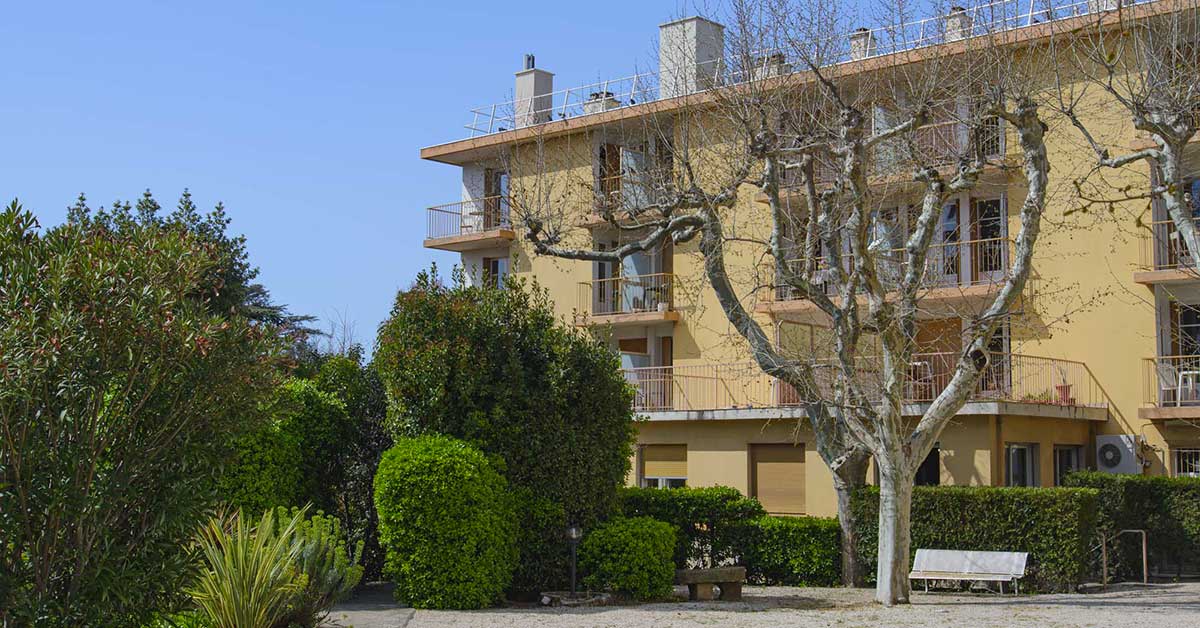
point(958, 24)
point(690, 53)
point(862, 44)
point(533, 100)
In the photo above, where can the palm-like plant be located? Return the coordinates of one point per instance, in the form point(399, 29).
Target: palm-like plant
point(251, 574)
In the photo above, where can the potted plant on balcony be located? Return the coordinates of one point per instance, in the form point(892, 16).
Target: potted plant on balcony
point(1063, 388)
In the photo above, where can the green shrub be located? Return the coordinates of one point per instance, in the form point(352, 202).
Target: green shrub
point(1167, 508)
point(121, 388)
point(797, 551)
point(265, 471)
point(316, 420)
point(446, 523)
point(707, 520)
point(330, 572)
point(499, 369)
point(1056, 526)
point(630, 556)
point(250, 576)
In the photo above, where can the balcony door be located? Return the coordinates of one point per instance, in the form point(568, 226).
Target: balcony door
point(945, 254)
point(989, 251)
point(495, 199)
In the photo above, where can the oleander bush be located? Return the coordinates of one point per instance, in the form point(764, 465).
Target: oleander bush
point(1167, 508)
point(446, 523)
point(1056, 526)
point(707, 520)
point(794, 551)
point(498, 368)
point(630, 556)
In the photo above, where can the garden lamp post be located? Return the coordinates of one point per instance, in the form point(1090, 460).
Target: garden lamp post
point(574, 533)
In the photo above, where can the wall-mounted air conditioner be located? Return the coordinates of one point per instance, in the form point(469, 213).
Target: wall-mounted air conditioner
point(1117, 453)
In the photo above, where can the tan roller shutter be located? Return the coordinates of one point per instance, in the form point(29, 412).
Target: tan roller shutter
point(777, 480)
point(664, 461)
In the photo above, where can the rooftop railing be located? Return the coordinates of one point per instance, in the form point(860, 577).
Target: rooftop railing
point(984, 18)
point(471, 217)
point(1009, 377)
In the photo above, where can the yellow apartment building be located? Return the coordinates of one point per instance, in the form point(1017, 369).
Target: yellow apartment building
point(1100, 367)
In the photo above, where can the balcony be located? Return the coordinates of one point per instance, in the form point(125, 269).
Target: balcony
point(1170, 387)
point(954, 272)
point(469, 225)
point(1014, 384)
point(1164, 257)
point(627, 300)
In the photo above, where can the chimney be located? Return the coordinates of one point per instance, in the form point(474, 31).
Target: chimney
point(958, 24)
point(690, 53)
point(533, 98)
point(862, 44)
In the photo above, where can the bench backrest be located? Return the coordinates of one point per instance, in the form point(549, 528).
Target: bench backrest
point(968, 562)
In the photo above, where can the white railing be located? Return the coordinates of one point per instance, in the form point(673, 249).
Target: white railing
point(983, 18)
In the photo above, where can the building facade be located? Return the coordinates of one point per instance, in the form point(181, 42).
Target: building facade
point(1099, 368)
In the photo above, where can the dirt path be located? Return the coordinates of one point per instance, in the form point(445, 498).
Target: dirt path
point(1156, 606)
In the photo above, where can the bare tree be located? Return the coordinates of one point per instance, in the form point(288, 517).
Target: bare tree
point(823, 146)
point(1142, 61)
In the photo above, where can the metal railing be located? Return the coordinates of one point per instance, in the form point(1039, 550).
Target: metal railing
point(1009, 377)
point(906, 35)
point(476, 216)
point(635, 190)
point(1171, 381)
point(1163, 248)
point(947, 265)
point(1185, 463)
point(627, 294)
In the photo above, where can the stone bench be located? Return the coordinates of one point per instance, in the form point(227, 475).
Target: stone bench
point(700, 582)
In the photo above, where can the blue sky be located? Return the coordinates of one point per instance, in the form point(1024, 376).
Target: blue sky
point(304, 118)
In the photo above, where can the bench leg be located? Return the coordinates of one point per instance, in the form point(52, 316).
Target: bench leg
point(700, 592)
point(731, 591)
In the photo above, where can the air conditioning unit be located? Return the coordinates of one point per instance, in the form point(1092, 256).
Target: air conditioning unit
point(1117, 453)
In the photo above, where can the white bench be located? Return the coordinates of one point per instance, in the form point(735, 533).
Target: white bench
point(931, 564)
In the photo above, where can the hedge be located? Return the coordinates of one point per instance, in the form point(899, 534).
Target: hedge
point(630, 556)
point(797, 551)
point(1167, 508)
point(446, 523)
point(1057, 526)
point(707, 520)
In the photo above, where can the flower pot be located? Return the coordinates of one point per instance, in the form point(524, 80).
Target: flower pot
point(1064, 394)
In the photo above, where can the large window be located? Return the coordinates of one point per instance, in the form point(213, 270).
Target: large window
point(1067, 460)
point(1021, 464)
point(664, 466)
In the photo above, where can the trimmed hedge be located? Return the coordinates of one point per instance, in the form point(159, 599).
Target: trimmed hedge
point(446, 523)
point(1057, 526)
point(797, 551)
point(1167, 508)
point(708, 520)
point(630, 556)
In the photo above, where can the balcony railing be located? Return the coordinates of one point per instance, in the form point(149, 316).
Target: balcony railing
point(1164, 249)
point(947, 265)
point(628, 294)
point(897, 37)
point(472, 217)
point(1010, 377)
point(633, 191)
point(1171, 381)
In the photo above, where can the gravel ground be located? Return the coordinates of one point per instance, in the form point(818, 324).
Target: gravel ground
point(1155, 606)
point(371, 607)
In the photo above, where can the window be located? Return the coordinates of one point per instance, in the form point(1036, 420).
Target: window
point(777, 477)
point(1186, 463)
point(495, 202)
point(1067, 460)
point(1187, 329)
point(494, 271)
point(1021, 464)
point(930, 471)
point(664, 466)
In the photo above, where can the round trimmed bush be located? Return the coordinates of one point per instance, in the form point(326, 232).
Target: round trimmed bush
point(631, 556)
point(446, 524)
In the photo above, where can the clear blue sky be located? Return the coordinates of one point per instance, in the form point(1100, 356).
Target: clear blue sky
point(304, 118)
